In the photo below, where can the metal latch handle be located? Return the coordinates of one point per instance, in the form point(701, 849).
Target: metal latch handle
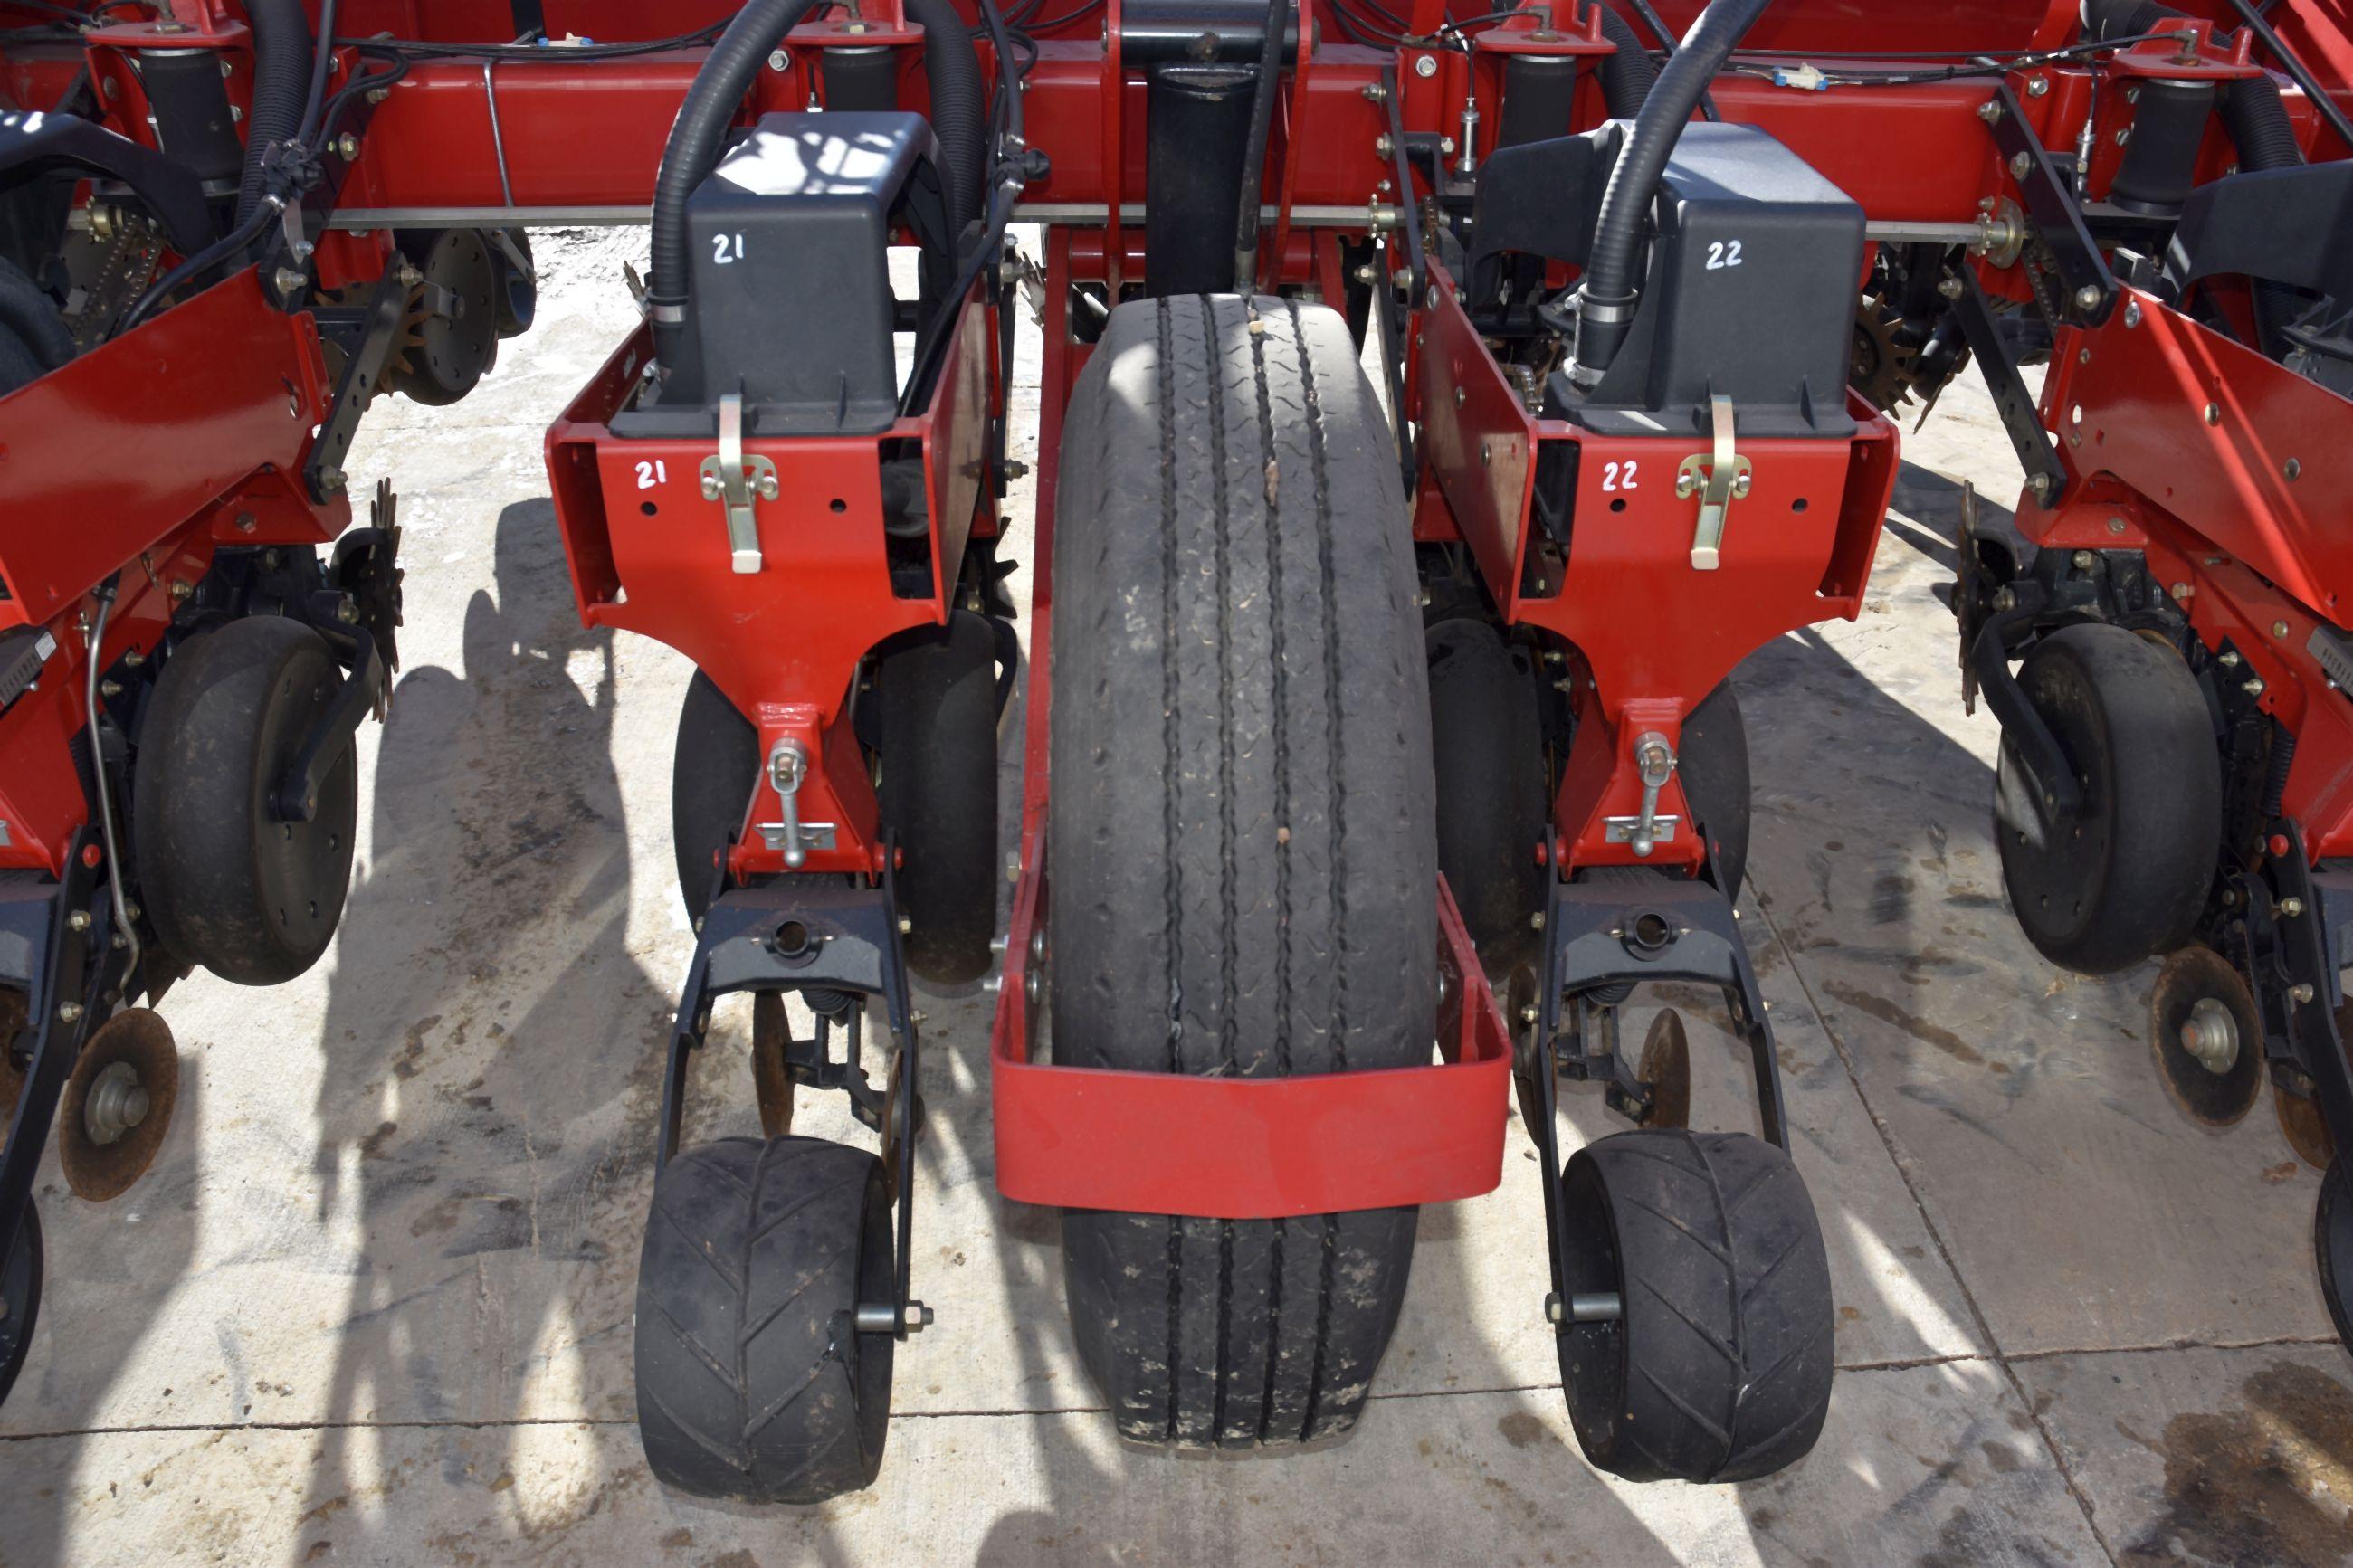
point(731, 480)
point(1718, 479)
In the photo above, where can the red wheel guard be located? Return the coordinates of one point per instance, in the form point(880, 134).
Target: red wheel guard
point(1265, 1147)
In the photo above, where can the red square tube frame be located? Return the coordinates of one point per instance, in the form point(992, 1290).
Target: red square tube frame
point(1263, 1148)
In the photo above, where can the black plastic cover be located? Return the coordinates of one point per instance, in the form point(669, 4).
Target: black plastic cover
point(1756, 261)
point(790, 304)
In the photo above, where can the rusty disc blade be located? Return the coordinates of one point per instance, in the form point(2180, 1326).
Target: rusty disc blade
point(1519, 995)
point(2300, 1120)
point(2191, 976)
point(1666, 1072)
point(138, 1038)
point(770, 1081)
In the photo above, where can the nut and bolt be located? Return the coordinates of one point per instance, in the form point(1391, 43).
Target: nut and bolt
point(905, 925)
point(1951, 287)
point(2037, 87)
point(347, 146)
point(1535, 921)
point(1990, 111)
point(1382, 145)
point(181, 589)
point(1376, 93)
point(2124, 134)
point(68, 1012)
point(2087, 297)
point(2082, 559)
point(2254, 688)
point(2115, 525)
point(2020, 166)
point(2227, 661)
point(2300, 992)
point(2213, 414)
point(2132, 313)
point(2291, 908)
point(2005, 599)
point(2180, 590)
point(79, 919)
point(2292, 469)
point(1530, 1014)
point(2279, 628)
point(1425, 66)
point(779, 60)
point(290, 280)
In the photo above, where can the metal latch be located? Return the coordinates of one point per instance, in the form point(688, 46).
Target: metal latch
point(729, 479)
point(1718, 479)
point(787, 767)
point(1656, 759)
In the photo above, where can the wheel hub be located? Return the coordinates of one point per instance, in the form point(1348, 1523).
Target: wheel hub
point(2211, 1036)
point(116, 1104)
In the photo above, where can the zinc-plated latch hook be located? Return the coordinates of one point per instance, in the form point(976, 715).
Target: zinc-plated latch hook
point(1656, 759)
point(1718, 479)
point(733, 482)
point(787, 766)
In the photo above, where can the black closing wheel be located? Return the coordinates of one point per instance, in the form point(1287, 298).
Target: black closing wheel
point(1488, 749)
point(20, 1297)
point(1697, 1343)
point(226, 884)
point(713, 770)
point(753, 1380)
point(1242, 835)
point(936, 743)
point(2126, 875)
point(1713, 761)
point(2332, 1244)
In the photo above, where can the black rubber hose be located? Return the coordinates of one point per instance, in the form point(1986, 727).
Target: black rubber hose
point(1262, 126)
point(1608, 307)
point(959, 107)
point(1627, 76)
point(727, 73)
point(694, 147)
point(2258, 129)
point(2105, 19)
point(281, 86)
point(2258, 124)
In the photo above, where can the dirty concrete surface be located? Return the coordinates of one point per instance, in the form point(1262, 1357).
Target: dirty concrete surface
point(373, 1303)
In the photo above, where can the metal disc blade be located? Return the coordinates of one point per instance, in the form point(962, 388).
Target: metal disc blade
point(20, 1297)
point(2199, 991)
point(2332, 1245)
point(139, 1039)
point(1666, 1072)
point(770, 1081)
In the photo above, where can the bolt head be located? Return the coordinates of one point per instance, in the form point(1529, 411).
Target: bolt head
point(2291, 908)
point(1990, 111)
point(79, 919)
point(2115, 525)
point(779, 60)
point(2037, 87)
point(2279, 628)
point(2087, 297)
point(1530, 1014)
point(69, 1011)
point(2082, 560)
point(1425, 66)
point(2132, 313)
point(2019, 164)
point(2292, 469)
point(2213, 414)
point(2180, 590)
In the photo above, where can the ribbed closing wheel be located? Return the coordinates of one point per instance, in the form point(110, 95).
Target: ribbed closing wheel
point(1242, 842)
point(1717, 1366)
point(2125, 877)
point(752, 1382)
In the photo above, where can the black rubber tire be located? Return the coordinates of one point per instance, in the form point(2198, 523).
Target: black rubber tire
point(1242, 832)
point(1719, 1368)
point(714, 767)
point(936, 737)
point(751, 1382)
point(2129, 876)
point(20, 1286)
point(1713, 758)
point(2332, 1245)
point(1487, 748)
point(224, 883)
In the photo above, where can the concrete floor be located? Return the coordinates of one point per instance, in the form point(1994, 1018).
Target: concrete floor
point(373, 1303)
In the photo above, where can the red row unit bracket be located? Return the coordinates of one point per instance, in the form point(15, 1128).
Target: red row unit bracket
point(1264, 1148)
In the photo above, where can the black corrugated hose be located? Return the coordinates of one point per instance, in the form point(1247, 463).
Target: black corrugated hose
point(1627, 76)
point(959, 119)
point(1607, 308)
point(281, 85)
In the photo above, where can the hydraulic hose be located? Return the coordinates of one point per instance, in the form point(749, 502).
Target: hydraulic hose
point(1607, 308)
point(958, 120)
point(2105, 19)
point(1627, 76)
point(281, 84)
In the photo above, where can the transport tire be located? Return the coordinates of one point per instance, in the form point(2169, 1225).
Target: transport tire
point(1718, 1366)
point(714, 767)
point(2127, 876)
point(1242, 840)
point(226, 884)
point(1487, 748)
point(936, 737)
point(752, 1382)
